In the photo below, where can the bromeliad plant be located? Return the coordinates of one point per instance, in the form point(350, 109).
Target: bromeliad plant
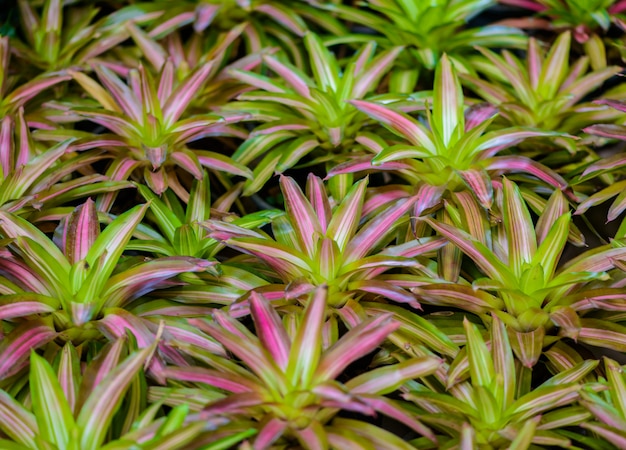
point(453, 152)
point(542, 90)
point(429, 30)
point(148, 131)
point(160, 290)
point(71, 282)
point(586, 19)
point(307, 119)
point(486, 401)
point(288, 388)
point(316, 245)
point(82, 409)
point(518, 262)
point(62, 38)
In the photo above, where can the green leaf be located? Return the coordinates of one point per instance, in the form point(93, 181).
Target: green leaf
point(53, 413)
point(447, 103)
point(481, 366)
point(323, 64)
point(555, 67)
point(97, 413)
point(520, 231)
point(16, 422)
point(346, 217)
point(112, 242)
point(306, 348)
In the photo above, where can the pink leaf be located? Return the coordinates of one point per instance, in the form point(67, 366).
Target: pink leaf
point(82, 230)
point(356, 343)
point(270, 329)
point(213, 378)
point(398, 122)
point(189, 89)
point(521, 164)
point(15, 348)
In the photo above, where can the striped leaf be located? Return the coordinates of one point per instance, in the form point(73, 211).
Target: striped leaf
point(306, 348)
point(448, 114)
point(50, 407)
point(356, 343)
point(98, 410)
point(82, 229)
point(16, 347)
point(270, 329)
point(520, 230)
point(398, 122)
point(16, 422)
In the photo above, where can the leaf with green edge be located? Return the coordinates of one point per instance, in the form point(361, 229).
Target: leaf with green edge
point(524, 438)
point(356, 343)
point(292, 75)
point(387, 379)
point(82, 229)
point(52, 271)
point(13, 226)
point(450, 294)
point(542, 399)
point(520, 230)
point(575, 374)
point(481, 365)
point(564, 417)
point(521, 164)
point(97, 412)
point(50, 407)
point(199, 205)
point(549, 251)
point(601, 196)
point(287, 261)
point(400, 152)
point(15, 348)
point(484, 258)
point(111, 242)
point(306, 348)
point(316, 193)
point(262, 172)
point(602, 333)
point(228, 442)
point(219, 379)
point(399, 123)
point(556, 206)
point(555, 67)
point(511, 136)
point(376, 229)
point(95, 90)
point(241, 342)
point(26, 304)
point(143, 278)
point(124, 97)
point(270, 329)
point(17, 422)
point(385, 290)
point(301, 214)
point(612, 435)
point(295, 151)
point(479, 182)
point(448, 108)
point(414, 326)
point(185, 92)
point(347, 215)
point(373, 435)
point(323, 64)
point(69, 374)
point(367, 78)
point(617, 384)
